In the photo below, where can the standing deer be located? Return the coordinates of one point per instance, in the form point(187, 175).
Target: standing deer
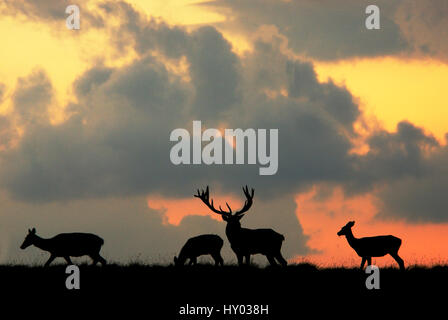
point(67, 245)
point(245, 242)
point(204, 244)
point(369, 247)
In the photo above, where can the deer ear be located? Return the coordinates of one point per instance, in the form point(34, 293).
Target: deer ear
point(239, 217)
point(34, 230)
point(224, 218)
point(175, 259)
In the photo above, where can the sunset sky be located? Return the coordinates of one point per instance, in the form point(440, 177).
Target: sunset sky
point(85, 117)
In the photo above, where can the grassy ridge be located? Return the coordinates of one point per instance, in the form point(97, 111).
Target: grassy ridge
point(166, 288)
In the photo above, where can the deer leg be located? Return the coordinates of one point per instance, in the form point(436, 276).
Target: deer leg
point(218, 259)
point(67, 258)
point(363, 262)
point(97, 258)
point(398, 259)
point(282, 260)
point(271, 260)
point(247, 259)
point(50, 260)
point(193, 261)
point(240, 259)
point(369, 261)
point(101, 260)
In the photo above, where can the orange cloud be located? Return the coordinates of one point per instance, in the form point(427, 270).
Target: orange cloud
point(174, 210)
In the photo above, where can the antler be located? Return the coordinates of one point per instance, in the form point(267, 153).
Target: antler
point(248, 202)
point(205, 197)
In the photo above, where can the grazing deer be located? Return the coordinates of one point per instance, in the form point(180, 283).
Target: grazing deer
point(369, 247)
point(245, 242)
point(197, 246)
point(67, 245)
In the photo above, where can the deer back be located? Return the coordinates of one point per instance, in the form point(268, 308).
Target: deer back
point(75, 244)
point(203, 244)
point(377, 246)
point(254, 241)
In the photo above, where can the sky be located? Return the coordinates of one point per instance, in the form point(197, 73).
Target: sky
point(86, 115)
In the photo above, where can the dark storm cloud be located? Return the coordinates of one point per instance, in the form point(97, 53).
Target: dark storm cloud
point(214, 70)
point(325, 30)
point(7, 133)
point(208, 54)
point(117, 141)
point(2, 92)
point(332, 30)
point(413, 170)
point(425, 25)
point(91, 79)
point(32, 96)
point(394, 156)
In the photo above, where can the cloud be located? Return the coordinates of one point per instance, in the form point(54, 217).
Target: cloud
point(113, 142)
point(7, 133)
point(416, 174)
point(32, 97)
point(2, 92)
point(394, 156)
point(425, 25)
point(330, 30)
point(324, 30)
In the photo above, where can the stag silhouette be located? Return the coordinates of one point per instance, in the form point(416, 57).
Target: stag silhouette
point(67, 245)
point(369, 247)
point(204, 244)
point(245, 242)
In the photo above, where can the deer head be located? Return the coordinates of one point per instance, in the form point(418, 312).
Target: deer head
point(29, 239)
point(177, 262)
point(232, 219)
point(346, 229)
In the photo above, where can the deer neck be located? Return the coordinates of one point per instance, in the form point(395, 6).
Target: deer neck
point(233, 232)
point(182, 256)
point(42, 243)
point(352, 241)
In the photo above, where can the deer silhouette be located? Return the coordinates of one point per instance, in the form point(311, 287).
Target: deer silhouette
point(204, 244)
point(245, 242)
point(369, 247)
point(67, 245)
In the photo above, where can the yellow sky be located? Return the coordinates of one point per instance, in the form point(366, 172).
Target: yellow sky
point(395, 90)
point(184, 12)
point(391, 89)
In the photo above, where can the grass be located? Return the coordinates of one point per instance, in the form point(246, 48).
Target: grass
point(167, 288)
